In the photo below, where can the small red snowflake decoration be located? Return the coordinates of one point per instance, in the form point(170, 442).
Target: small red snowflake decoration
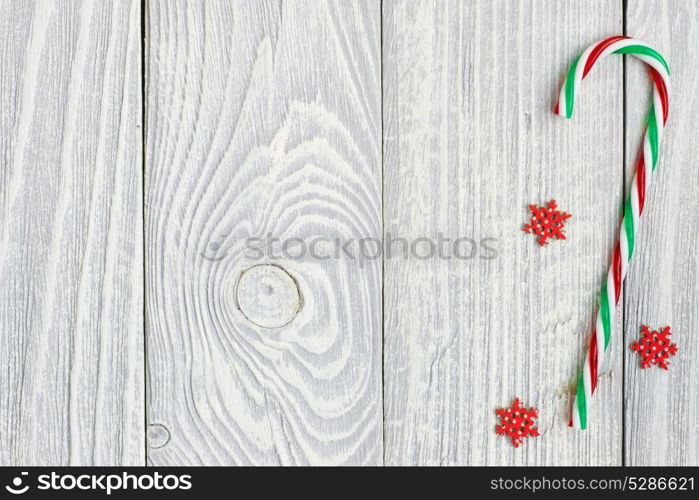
point(655, 348)
point(547, 222)
point(517, 422)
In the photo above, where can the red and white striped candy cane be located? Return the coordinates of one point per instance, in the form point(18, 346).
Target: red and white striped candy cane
point(598, 351)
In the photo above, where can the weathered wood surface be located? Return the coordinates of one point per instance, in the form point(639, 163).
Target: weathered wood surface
point(263, 118)
point(71, 266)
point(662, 408)
point(470, 141)
point(270, 118)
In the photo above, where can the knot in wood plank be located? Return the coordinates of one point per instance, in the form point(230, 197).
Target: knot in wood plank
point(268, 296)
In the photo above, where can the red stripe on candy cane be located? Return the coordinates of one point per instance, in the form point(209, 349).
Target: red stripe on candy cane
point(641, 184)
point(662, 90)
point(597, 51)
point(593, 361)
point(616, 266)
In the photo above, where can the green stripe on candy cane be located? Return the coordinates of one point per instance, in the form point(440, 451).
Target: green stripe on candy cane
point(644, 51)
point(570, 88)
point(653, 135)
point(628, 226)
point(582, 407)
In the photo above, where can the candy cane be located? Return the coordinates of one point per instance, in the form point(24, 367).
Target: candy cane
point(598, 351)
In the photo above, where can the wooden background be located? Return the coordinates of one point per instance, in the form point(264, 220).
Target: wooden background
point(143, 145)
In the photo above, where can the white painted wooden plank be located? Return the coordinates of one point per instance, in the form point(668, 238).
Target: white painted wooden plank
point(71, 275)
point(263, 118)
point(662, 408)
point(470, 140)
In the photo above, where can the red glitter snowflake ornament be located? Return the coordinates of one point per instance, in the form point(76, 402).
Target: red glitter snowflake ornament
point(547, 222)
point(517, 422)
point(655, 348)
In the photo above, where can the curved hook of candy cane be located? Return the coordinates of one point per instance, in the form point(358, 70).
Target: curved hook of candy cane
point(596, 359)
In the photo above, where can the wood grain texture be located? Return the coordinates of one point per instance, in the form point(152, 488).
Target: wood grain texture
point(470, 140)
point(71, 309)
point(263, 118)
point(662, 408)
